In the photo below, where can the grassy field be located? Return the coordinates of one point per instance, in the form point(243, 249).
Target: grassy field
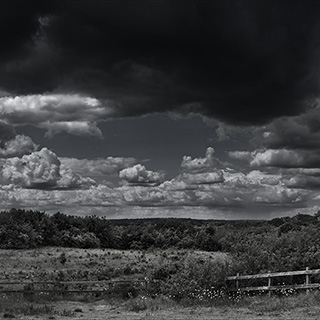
point(90, 264)
point(96, 264)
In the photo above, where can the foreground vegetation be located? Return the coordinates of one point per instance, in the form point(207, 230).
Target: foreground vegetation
point(296, 307)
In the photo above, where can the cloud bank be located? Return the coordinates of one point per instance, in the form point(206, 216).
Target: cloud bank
point(220, 60)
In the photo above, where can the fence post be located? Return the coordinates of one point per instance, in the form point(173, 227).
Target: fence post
point(269, 283)
point(237, 281)
point(307, 279)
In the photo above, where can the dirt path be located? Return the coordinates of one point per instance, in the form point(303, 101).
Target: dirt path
point(102, 311)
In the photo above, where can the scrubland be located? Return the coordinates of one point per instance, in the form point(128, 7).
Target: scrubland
point(185, 263)
point(178, 297)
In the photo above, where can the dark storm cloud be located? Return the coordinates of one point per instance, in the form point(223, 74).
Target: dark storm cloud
point(298, 132)
point(240, 62)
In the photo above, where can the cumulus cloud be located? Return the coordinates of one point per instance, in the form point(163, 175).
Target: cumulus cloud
point(202, 178)
point(72, 113)
point(240, 155)
point(12, 144)
point(229, 188)
point(281, 158)
point(198, 165)
point(40, 170)
point(278, 196)
point(72, 180)
point(270, 181)
point(17, 146)
point(198, 171)
point(284, 158)
point(77, 128)
point(139, 175)
point(303, 178)
point(174, 194)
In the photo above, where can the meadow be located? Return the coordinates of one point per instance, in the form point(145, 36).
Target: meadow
point(185, 263)
point(52, 263)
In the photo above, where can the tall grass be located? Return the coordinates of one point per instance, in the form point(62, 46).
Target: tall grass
point(18, 304)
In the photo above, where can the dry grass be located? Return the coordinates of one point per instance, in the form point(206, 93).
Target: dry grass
point(92, 264)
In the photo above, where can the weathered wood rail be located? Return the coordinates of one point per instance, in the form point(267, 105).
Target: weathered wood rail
point(269, 287)
point(85, 286)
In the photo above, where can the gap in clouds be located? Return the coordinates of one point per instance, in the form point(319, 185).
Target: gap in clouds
point(160, 139)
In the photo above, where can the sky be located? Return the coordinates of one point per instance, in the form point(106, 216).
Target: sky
point(144, 109)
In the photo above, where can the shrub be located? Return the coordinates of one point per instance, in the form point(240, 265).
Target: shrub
point(194, 280)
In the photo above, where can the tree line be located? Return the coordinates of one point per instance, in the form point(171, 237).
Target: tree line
point(287, 243)
point(24, 229)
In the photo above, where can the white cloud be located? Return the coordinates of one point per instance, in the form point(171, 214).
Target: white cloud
point(139, 175)
point(281, 158)
point(19, 145)
point(270, 181)
point(202, 178)
point(41, 170)
point(240, 155)
point(70, 179)
point(72, 113)
point(208, 163)
point(278, 195)
point(77, 128)
point(71, 183)
point(284, 158)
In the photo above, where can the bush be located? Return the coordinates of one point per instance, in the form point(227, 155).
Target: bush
point(195, 279)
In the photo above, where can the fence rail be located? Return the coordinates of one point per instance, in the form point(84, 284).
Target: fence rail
point(307, 285)
point(103, 286)
point(83, 286)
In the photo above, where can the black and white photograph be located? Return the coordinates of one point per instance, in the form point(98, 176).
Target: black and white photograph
point(160, 160)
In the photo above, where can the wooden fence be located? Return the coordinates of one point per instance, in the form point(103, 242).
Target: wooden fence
point(269, 287)
point(71, 286)
point(111, 285)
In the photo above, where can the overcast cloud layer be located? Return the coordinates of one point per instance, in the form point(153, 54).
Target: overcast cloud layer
point(249, 70)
